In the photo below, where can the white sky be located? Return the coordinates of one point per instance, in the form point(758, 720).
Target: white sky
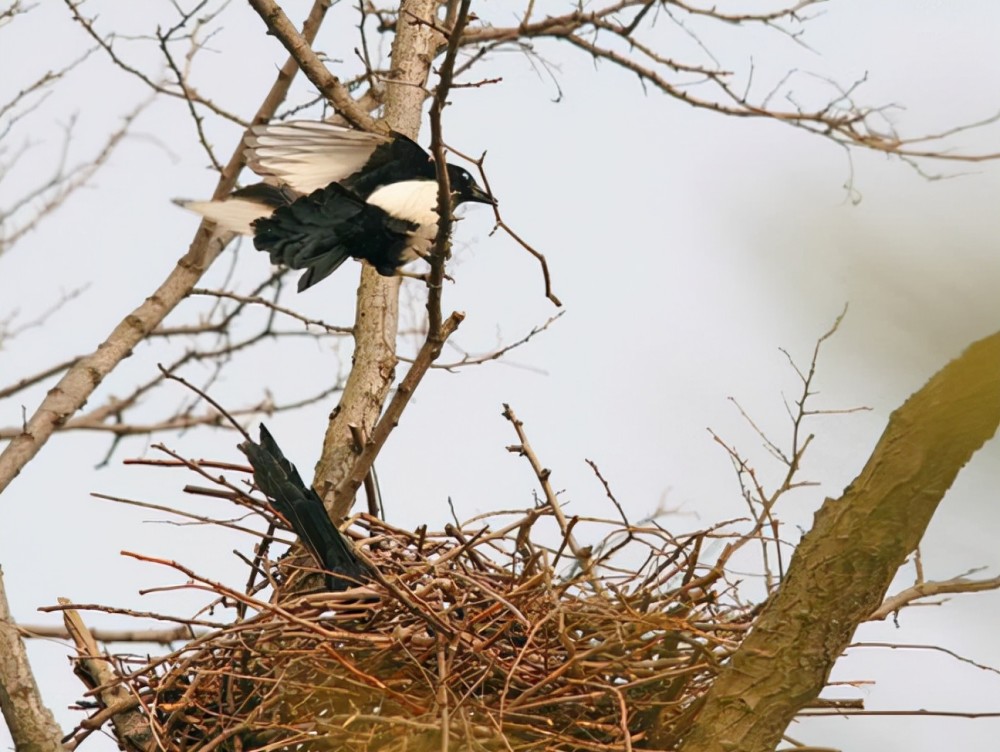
point(687, 248)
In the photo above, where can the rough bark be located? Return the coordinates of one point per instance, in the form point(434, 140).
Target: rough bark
point(376, 321)
point(841, 570)
point(32, 725)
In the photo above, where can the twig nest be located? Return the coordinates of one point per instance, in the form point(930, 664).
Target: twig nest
point(486, 639)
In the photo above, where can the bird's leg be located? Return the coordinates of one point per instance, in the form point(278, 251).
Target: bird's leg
point(411, 275)
point(422, 277)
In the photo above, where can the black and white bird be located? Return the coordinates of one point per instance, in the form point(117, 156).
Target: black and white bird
point(333, 193)
point(303, 508)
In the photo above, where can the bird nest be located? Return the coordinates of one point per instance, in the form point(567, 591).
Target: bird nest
point(501, 633)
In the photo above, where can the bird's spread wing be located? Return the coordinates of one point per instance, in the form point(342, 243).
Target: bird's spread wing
point(310, 155)
point(303, 508)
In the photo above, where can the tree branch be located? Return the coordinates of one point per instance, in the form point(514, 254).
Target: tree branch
point(299, 46)
point(32, 725)
point(583, 554)
point(841, 570)
point(442, 244)
point(344, 493)
point(130, 725)
point(79, 382)
point(839, 119)
point(153, 636)
point(929, 589)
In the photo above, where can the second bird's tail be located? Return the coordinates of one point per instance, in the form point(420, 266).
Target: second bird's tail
point(303, 508)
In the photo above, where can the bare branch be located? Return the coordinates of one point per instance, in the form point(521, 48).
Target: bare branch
point(344, 493)
point(377, 317)
point(931, 648)
point(468, 359)
point(94, 669)
point(923, 590)
point(29, 381)
point(186, 92)
point(840, 119)
point(299, 46)
point(259, 301)
point(63, 183)
point(582, 554)
point(441, 249)
point(151, 636)
point(500, 224)
point(83, 377)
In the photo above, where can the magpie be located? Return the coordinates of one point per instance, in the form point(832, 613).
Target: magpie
point(303, 508)
point(332, 193)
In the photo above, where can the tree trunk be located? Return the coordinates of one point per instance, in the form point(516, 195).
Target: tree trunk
point(376, 320)
point(841, 570)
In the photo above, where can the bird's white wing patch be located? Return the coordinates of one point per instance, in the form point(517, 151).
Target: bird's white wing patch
point(309, 155)
point(412, 200)
point(234, 214)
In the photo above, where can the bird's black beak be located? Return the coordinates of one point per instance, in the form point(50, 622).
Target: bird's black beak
point(480, 196)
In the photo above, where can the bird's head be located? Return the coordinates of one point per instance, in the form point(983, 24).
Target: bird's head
point(465, 188)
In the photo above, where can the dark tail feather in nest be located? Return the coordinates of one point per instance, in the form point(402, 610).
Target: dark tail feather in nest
point(304, 510)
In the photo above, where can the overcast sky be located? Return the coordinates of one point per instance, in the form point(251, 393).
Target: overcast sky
point(687, 248)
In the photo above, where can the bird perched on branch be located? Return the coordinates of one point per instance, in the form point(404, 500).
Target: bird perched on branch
point(332, 193)
point(302, 507)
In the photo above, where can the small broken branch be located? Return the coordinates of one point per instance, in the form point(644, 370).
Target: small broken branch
point(922, 590)
point(94, 669)
point(582, 553)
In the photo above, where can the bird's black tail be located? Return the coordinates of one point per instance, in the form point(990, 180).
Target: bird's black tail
point(304, 510)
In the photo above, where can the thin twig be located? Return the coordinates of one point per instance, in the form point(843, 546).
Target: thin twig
point(582, 554)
